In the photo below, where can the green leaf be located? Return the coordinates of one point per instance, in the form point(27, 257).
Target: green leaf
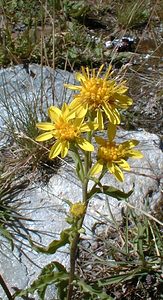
point(69, 203)
point(93, 291)
point(6, 234)
point(121, 278)
point(141, 237)
point(62, 284)
point(69, 220)
point(73, 53)
point(81, 230)
point(79, 171)
point(53, 273)
point(41, 292)
point(98, 50)
point(110, 191)
point(77, 9)
point(78, 163)
point(54, 245)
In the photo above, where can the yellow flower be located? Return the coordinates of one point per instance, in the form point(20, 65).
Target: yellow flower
point(78, 209)
point(98, 94)
point(66, 127)
point(113, 156)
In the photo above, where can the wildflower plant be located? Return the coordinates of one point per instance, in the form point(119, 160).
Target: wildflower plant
point(77, 130)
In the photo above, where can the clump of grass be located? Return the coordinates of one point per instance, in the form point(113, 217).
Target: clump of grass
point(126, 260)
point(133, 14)
point(10, 218)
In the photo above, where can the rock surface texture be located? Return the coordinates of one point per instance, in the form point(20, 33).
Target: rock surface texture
point(45, 205)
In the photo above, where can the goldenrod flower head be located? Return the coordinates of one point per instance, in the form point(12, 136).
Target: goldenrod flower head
point(78, 209)
point(113, 156)
point(66, 127)
point(99, 94)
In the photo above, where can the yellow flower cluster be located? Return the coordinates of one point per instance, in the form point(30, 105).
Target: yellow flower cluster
point(97, 98)
point(66, 127)
point(101, 95)
point(113, 156)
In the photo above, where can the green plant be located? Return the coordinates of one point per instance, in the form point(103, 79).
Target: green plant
point(75, 9)
point(98, 99)
point(80, 47)
point(133, 14)
point(10, 218)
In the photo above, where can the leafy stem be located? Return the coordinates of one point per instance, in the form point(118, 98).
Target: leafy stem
point(75, 241)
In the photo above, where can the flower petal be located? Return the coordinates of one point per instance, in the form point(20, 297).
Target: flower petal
point(84, 144)
point(79, 77)
point(135, 154)
point(54, 113)
point(79, 108)
point(87, 70)
point(55, 150)
point(129, 144)
point(123, 164)
point(64, 108)
point(97, 168)
point(72, 87)
point(118, 173)
point(111, 131)
point(81, 111)
point(108, 73)
point(64, 150)
point(78, 122)
point(85, 73)
point(45, 126)
point(100, 120)
point(123, 100)
point(99, 70)
point(100, 141)
point(75, 102)
point(88, 127)
point(122, 89)
point(109, 113)
point(111, 167)
point(44, 137)
point(116, 115)
point(67, 112)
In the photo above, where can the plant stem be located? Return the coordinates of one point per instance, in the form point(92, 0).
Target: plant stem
point(74, 249)
point(5, 288)
point(73, 253)
point(75, 241)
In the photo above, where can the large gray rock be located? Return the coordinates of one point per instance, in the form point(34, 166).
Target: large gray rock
point(45, 205)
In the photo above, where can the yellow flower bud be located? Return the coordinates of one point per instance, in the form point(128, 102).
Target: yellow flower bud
point(78, 209)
